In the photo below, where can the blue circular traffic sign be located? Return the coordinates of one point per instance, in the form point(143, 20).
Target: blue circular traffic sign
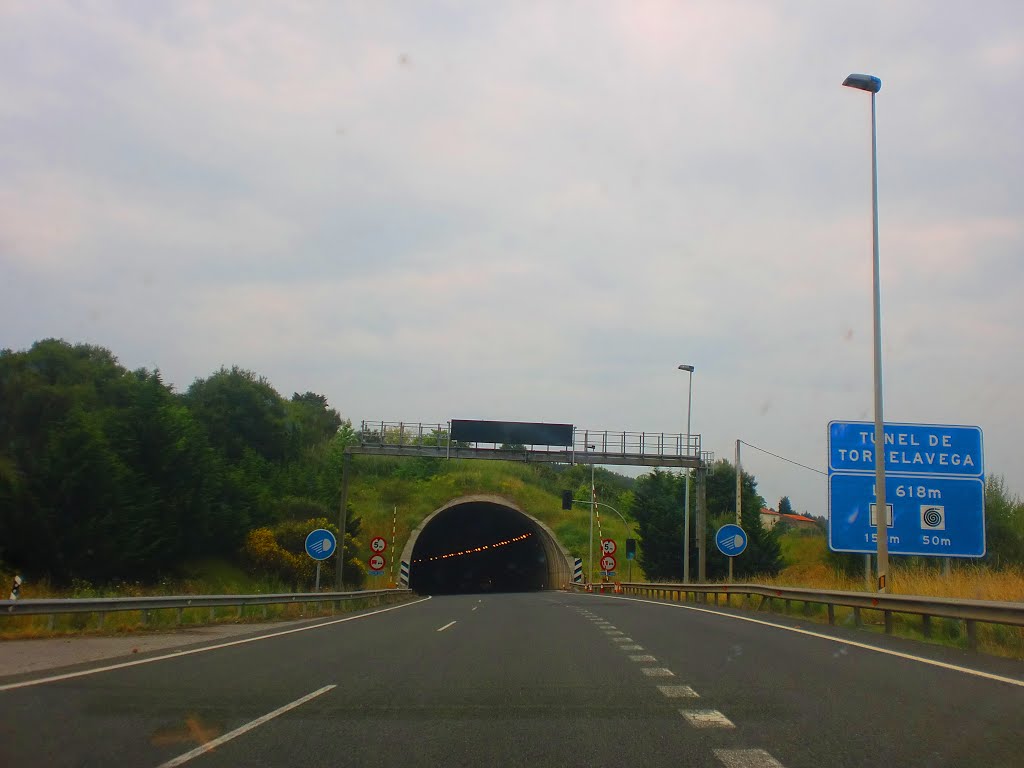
point(320, 544)
point(731, 540)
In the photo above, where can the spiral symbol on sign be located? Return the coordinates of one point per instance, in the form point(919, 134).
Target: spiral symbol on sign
point(932, 517)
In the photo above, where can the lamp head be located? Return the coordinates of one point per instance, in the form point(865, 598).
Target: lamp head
point(868, 83)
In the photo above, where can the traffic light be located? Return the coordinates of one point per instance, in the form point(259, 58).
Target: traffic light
point(631, 549)
point(566, 499)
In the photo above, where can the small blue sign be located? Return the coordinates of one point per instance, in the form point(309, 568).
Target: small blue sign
point(731, 540)
point(938, 516)
point(320, 544)
point(910, 449)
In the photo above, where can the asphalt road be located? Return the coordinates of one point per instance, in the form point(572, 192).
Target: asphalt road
point(526, 680)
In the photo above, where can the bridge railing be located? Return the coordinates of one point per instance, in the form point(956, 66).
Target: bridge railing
point(606, 442)
point(146, 605)
point(970, 612)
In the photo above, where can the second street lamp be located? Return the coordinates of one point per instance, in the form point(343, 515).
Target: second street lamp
point(686, 502)
point(873, 85)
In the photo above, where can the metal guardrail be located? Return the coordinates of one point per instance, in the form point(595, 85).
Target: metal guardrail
point(104, 605)
point(971, 612)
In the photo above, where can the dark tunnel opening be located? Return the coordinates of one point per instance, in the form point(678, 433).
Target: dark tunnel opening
point(479, 547)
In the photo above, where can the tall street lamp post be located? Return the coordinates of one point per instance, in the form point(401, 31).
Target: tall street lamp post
point(873, 85)
point(686, 502)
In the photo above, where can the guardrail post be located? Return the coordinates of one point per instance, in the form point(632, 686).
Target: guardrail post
point(50, 622)
point(213, 613)
point(786, 609)
point(807, 607)
point(178, 616)
point(972, 634)
point(856, 617)
point(831, 614)
point(145, 618)
point(888, 622)
point(926, 625)
point(241, 611)
point(264, 610)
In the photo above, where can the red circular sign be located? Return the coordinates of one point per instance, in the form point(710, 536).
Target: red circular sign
point(608, 546)
point(607, 563)
point(378, 544)
point(377, 562)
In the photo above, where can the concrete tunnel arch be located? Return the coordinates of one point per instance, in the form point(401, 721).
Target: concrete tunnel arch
point(533, 559)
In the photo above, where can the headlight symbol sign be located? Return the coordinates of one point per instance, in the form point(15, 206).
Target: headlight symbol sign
point(933, 518)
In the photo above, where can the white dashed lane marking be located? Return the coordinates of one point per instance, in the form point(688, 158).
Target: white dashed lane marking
point(706, 718)
point(657, 672)
point(698, 718)
point(678, 692)
point(746, 758)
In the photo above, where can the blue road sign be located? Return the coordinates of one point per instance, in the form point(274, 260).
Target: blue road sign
point(916, 449)
point(731, 540)
point(320, 544)
point(934, 489)
point(940, 516)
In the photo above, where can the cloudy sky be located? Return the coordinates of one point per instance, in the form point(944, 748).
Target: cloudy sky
point(532, 211)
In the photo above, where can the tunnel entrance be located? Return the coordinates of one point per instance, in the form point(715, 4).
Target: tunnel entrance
point(484, 544)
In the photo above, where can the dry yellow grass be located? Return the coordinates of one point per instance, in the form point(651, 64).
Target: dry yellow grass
point(966, 581)
point(972, 582)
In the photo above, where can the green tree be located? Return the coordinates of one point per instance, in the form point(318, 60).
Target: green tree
point(1004, 524)
point(785, 506)
point(658, 509)
point(241, 412)
point(764, 553)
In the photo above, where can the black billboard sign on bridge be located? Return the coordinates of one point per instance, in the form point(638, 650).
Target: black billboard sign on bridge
point(511, 432)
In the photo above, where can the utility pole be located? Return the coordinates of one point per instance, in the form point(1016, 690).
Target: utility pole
point(346, 459)
point(739, 497)
point(593, 498)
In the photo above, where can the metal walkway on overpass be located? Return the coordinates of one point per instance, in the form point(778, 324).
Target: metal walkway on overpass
point(647, 449)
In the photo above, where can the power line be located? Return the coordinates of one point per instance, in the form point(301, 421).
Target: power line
point(797, 463)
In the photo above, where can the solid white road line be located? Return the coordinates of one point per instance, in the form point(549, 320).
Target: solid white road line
point(614, 632)
point(643, 657)
point(182, 759)
point(632, 647)
point(657, 672)
point(746, 758)
point(442, 629)
point(180, 654)
point(706, 718)
point(678, 692)
point(831, 639)
point(622, 640)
